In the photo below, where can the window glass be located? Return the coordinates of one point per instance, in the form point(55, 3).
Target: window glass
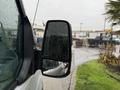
point(8, 35)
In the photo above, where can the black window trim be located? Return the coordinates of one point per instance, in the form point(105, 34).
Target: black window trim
point(28, 47)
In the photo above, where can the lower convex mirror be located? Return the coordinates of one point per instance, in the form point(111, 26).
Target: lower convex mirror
point(56, 51)
point(54, 68)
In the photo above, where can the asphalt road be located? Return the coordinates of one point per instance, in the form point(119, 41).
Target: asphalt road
point(80, 56)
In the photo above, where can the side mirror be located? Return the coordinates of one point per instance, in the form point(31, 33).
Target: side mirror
point(56, 60)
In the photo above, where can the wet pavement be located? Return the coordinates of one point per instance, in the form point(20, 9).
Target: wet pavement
point(83, 55)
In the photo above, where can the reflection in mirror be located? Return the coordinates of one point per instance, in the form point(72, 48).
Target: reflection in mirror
point(54, 68)
point(57, 44)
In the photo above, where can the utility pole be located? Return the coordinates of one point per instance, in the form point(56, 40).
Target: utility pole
point(81, 26)
point(104, 23)
point(35, 13)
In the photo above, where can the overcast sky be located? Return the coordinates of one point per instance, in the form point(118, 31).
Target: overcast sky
point(88, 12)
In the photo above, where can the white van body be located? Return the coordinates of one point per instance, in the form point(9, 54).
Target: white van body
point(39, 82)
point(33, 83)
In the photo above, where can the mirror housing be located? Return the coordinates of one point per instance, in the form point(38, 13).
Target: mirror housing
point(56, 51)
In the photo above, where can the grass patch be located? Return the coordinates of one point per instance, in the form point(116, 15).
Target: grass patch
point(93, 76)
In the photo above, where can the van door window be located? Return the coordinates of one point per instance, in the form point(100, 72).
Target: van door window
point(8, 35)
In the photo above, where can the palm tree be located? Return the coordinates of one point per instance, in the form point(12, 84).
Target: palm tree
point(113, 11)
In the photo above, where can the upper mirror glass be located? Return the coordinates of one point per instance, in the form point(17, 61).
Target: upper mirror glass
point(56, 45)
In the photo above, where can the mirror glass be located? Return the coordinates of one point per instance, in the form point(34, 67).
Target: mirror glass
point(54, 68)
point(56, 49)
point(56, 44)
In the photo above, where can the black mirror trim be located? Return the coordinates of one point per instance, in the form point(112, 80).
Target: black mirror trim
point(70, 37)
